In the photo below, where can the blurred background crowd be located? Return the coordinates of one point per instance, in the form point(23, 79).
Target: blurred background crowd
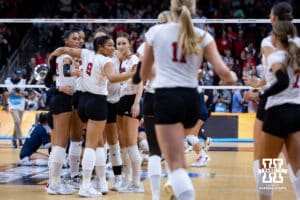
point(24, 46)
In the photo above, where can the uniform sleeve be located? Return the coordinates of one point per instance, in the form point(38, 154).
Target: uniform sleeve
point(141, 49)
point(266, 42)
point(66, 56)
point(84, 53)
point(107, 60)
point(150, 34)
point(207, 38)
point(134, 60)
point(276, 57)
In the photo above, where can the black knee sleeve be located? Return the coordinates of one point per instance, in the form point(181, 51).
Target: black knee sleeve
point(151, 136)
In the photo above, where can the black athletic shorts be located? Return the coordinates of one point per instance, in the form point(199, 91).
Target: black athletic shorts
point(148, 108)
point(75, 99)
point(282, 120)
point(176, 105)
point(260, 113)
point(125, 104)
point(92, 106)
point(112, 109)
point(60, 103)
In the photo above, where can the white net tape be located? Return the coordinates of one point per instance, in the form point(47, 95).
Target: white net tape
point(131, 21)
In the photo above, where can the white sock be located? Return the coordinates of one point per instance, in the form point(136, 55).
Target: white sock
point(126, 164)
point(74, 157)
point(135, 160)
point(291, 173)
point(41, 162)
point(182, 185)
point(296, 184)
point(57, 158)
point(154, 171)
point(100, 164)
point(265, 190)
point(88, 163)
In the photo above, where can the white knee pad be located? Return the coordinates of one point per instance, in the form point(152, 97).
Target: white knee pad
point(154, 166)
point(181, 182)
point(134, 154)
point(58, 154)
point(115, 154)
point(89, 159)
point(75, 148)
point(100, 157)
point(192, 139)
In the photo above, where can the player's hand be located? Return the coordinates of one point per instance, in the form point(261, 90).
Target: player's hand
point(251, 96)
point(66, 89)
point(135, 110)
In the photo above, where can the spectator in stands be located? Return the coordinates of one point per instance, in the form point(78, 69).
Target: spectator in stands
point(239, 44)
point(223, 43)
point(38, 137)
point(208, 74)
point(14, 97)
point(29, 69)
point(249, 49)
point(237, 101)
point(222, 100)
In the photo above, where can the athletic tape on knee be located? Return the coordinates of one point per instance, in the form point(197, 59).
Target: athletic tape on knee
point(181, 182)
point(192, 139)
point(154, 166)
point(264, 188)
point(115, 154)
point(89, 159)
point(75, 148)
point(100, 157)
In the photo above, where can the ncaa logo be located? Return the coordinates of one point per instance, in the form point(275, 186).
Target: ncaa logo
point(272, 170)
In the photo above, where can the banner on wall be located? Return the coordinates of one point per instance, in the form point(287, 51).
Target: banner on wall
point(219, 125)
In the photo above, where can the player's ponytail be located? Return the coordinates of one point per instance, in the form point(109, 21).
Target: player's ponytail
point(188, 40)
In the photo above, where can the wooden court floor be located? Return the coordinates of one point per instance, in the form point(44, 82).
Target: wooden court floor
point(228, 176)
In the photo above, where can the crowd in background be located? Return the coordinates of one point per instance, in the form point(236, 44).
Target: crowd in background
point(239, 44)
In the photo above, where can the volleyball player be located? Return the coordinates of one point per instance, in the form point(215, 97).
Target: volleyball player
point(61, 109)
point(128, 119)
point(92, 109)
point(281, 124)
point(154, 161)
point(77, 126)
point(111, 134)
point(280, 12)
point(177, 49)
point(192, 137)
